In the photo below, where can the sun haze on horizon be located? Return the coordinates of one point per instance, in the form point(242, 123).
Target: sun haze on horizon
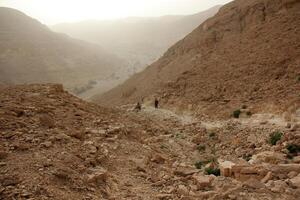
point(59, 11)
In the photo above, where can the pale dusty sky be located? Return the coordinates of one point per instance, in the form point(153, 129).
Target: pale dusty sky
point(57, 11)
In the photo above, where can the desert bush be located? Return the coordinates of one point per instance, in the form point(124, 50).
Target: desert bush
point(236, 113)
point(201, 147)
point(248, 113)
point(244, 107)
point(212, 134)
point(199, 164)
point(247, 157)
point(275, 137)
point(214, 171)
point(293, 148)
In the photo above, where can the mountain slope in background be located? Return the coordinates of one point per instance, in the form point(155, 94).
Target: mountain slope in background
point(249, 53)
point(30, 52)
point(138, 40)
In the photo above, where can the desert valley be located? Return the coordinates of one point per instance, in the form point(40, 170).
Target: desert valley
point(226, 124)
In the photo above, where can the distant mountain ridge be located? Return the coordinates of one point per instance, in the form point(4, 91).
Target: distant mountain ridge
point(31, 53)
point(139, 40)
point(248, 54)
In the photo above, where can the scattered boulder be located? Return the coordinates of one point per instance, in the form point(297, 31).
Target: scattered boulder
point(296, 181)
point(295, 127)
point(182, 190)
point(268, 157)
point(202, 181)
point(183, 171)
point(268, 177)
point(47, 121)
point(226, 168)
point(99, 176)
point(159, 159)
point(254, 184)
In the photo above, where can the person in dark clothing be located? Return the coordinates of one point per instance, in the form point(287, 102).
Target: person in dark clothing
point(156, 103)
point(138, 107)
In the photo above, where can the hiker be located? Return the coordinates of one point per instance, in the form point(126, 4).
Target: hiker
point(138, 107)
point(156, 103)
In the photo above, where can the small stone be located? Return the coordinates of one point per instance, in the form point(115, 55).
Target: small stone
point(296, 181)
point(295, 127)
point(47, 121)
point(231, 196)
point(185, 172)
point(47, 144)
point(296, 159)
point(164, 196)
point(99, 176)
point(159, 159)
point(292, 174)
point(254, 183)
point(268, 177)
point(279, 186)
point(182, 190)
point(202, 181)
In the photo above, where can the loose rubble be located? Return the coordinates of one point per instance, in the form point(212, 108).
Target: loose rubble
point(56, 146)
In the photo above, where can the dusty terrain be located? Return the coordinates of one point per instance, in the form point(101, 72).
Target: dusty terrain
point(143, 39)
point(31, 53)
point(56, 146)
point(246, 54)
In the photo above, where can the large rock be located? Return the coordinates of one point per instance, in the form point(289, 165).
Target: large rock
point(99, 176)
point(47, 121)
point(268, 157)
point(296, 181)
point(202, 181)
point(226, 168)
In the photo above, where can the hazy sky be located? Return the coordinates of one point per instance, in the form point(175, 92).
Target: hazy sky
point(56, 11)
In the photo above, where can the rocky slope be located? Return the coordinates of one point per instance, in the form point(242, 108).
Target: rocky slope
point(56, 146)
point(138, 40)
point(248, 54)
point(31, 53)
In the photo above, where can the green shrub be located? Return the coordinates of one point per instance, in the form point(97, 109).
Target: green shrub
point(212, 134)
point(213, 171)
point(275, 137)
point(247, 157)
point(236, 113)
point(201, 147)
point(199, 164)
point(293, 148)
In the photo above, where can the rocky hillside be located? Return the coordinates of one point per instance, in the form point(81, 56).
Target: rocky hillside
point(31, 53)
point(248, 54)
point(138, 40)
point(56, 146)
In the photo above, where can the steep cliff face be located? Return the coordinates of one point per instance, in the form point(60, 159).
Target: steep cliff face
point(248, 53)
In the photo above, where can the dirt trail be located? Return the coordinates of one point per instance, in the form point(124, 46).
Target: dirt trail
point(185, 119)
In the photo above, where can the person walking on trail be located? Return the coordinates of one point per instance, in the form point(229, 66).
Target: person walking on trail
point(138, 107)
point(156, 103)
